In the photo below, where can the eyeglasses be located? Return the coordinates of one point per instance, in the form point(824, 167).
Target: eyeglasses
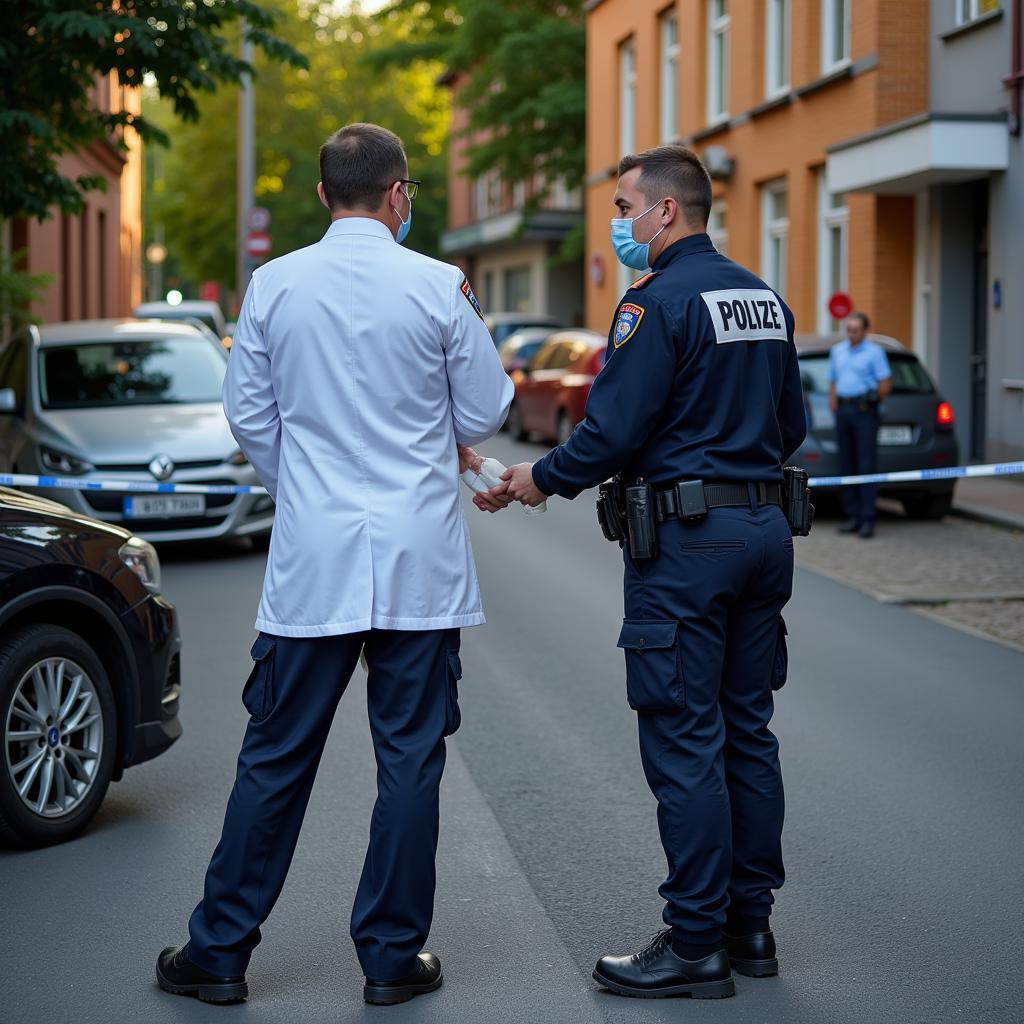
point(412, 186)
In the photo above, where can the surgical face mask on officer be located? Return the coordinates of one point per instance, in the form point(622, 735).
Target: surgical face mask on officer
point(405, 224)
point(633, 254)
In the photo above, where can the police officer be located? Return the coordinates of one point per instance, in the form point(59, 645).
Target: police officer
point(357, 367)
point(859, 378)
point(696, 410)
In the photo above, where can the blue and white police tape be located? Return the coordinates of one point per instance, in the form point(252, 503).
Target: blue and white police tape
point(71, 483)
point(914, 475)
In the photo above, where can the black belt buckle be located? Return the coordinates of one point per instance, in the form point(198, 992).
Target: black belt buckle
point(691, 505)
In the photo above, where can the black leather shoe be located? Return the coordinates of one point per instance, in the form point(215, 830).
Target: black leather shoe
point(850, 526)
point(177, 974)
point(752, 955)
point(656, 972)
point(426, 978)
point(867, 531)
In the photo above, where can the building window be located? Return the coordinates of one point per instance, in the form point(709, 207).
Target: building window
point(833, 218)
point(627, 98)
point(835, 33)
point(969, 10)
point(776, 57)
point(717, 229)
point(517, 289)
point(669, 76)
point(718, 60)
point(774, 235)
point(487, 195)
point(519, 195)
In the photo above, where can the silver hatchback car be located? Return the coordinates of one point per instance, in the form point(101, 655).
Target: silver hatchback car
point(128, 400)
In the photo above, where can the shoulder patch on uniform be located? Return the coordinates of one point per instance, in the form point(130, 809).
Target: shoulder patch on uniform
point(627, 321)
point(470, 297)
point(640, 282)
point(746, 314)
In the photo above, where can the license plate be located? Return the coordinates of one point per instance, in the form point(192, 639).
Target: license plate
point(895, 435)
point(164, 506)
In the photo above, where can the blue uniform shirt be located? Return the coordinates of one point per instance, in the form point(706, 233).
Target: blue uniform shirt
point(855, 371)
point(701, 382)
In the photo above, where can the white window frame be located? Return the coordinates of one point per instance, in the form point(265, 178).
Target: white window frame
point(627, 96)
point(718, 225)
point(718, 61)
point(774, 230)
point(777, 44)
point(487, 195)
point(669, 83)
point(829, 61)
point(970, 10)
point(831, 219)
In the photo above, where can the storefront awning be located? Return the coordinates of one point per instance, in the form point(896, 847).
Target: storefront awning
point(542, 225)
point(930, 149)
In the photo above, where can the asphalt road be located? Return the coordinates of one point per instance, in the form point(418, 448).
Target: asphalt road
point(902, 753)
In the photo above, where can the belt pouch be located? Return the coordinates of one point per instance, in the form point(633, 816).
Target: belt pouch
point(640, 522)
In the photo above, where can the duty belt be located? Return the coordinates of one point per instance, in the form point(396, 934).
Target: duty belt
point(723, 495)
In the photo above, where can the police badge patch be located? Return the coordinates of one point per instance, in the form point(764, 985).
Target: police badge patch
point(470, 297)
point(627, 322)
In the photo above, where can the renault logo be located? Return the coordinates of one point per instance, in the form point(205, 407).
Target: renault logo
point(162, 467)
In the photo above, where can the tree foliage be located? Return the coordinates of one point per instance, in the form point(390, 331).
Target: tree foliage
point(53, 51)
point(525, 89)
point(296, 109)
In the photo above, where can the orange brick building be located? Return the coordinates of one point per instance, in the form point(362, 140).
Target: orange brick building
point(762, 88)
point(95, 258)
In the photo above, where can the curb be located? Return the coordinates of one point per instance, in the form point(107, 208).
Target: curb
point(994, 517)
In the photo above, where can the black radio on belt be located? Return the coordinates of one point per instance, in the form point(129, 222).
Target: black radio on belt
point(609, 510)
point(641, 521)
point(796, 501)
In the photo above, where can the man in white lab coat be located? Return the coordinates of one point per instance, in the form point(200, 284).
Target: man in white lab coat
point(357, 366)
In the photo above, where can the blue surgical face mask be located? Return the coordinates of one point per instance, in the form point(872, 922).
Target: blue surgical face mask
point(633, 254)
point(404, 225)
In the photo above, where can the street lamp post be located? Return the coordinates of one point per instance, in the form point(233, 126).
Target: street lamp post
point(246, 162)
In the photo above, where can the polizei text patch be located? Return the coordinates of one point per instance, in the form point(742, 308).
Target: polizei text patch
point(746, 314)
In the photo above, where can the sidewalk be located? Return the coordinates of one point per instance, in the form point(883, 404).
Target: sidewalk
point(998, 500)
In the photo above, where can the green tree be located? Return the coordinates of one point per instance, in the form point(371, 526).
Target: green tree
point(51, 53)
point(525, 71)
point(296, 109)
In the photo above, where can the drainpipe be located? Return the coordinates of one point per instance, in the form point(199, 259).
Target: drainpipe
point(1015, 79)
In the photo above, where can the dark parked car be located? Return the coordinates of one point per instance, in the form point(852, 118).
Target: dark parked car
point(89, 665)
point(916, 431)
point(552, 390)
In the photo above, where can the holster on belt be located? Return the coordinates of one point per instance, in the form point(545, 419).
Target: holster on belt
point(611, 510)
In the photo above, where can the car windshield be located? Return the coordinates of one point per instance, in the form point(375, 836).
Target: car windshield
point(908, 375)
point(161, 371)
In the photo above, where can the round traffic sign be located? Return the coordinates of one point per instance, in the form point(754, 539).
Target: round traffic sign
point(257, 244)
point(258, 218)
point(840, 305)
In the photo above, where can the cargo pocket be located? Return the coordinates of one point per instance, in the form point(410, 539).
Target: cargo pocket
point(258, 695)
point(780, 664)
point(453, 716)
point(654, 671)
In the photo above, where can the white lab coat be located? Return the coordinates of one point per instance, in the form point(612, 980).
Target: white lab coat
point(356, 365)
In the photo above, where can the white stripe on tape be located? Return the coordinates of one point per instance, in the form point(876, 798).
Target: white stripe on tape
point(943, 473)
point(69, 483)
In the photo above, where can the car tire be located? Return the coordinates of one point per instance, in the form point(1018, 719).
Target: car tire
point(84, 780)
point(564, 427)
point(934, 506)
point(514, 422)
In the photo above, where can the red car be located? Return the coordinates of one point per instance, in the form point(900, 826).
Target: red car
point(552, 389)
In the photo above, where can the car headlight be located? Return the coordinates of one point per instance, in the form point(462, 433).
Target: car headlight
point(62, 462)
point(238, 459)
point(142, 559)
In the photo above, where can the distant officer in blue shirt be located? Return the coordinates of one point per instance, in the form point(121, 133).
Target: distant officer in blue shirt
point(859, 378)
point(695, 412)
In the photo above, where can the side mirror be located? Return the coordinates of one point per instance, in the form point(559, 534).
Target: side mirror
point(8, 400)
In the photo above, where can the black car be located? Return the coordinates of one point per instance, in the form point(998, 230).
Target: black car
point(89, 665)
point(916, 430)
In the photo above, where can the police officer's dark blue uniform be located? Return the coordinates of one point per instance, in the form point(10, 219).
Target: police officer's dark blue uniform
point(701, 383)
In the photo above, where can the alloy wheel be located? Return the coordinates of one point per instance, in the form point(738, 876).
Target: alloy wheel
point(53, 737)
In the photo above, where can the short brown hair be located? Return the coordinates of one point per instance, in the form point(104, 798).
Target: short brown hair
point(357, 165)
point(677, 172)
point(862, 317)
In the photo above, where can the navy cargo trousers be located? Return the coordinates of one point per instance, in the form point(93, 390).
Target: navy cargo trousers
point(291, 696)
point(705, 646)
